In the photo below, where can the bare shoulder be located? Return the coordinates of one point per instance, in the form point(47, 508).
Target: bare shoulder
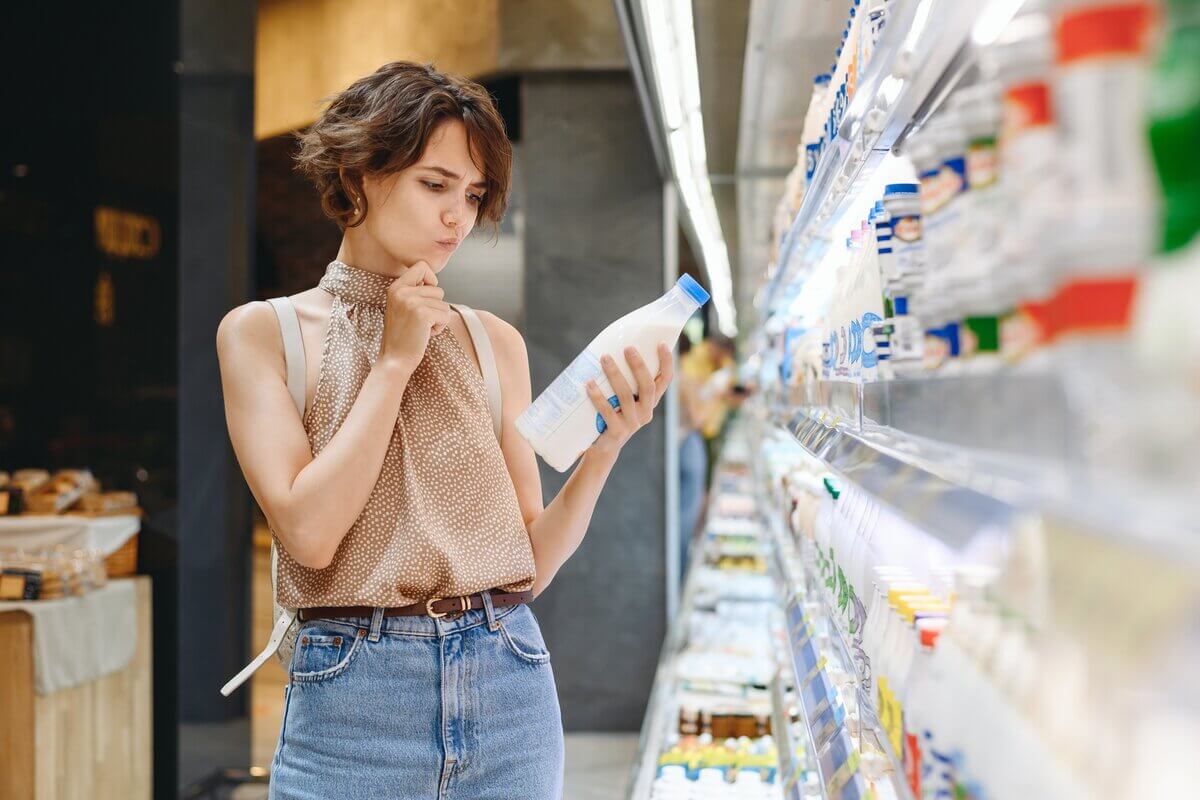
point(249, 335)
point(506, 339)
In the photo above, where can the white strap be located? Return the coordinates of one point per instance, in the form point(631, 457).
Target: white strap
point(295, 364)
point(487, 363)
point(281, 626)
point(293, 349)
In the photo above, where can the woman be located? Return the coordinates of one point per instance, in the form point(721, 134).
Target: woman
point(409, 536)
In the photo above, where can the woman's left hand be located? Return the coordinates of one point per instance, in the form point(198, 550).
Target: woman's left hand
point(636, 407)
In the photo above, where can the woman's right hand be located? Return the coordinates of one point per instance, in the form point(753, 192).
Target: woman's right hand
point(415, 312)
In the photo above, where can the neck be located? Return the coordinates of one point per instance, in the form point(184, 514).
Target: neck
point(359, 250)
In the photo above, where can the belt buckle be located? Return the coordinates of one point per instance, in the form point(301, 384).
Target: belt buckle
point(451, 615)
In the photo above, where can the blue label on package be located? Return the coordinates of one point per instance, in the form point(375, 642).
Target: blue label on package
point(601, 425)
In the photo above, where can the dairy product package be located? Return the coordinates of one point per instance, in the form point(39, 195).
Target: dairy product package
point(562, 422)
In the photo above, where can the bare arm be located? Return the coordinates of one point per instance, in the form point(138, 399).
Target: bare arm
point(311, 503)
point(557, 530)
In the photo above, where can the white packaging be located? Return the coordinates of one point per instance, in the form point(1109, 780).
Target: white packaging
point(562, 423)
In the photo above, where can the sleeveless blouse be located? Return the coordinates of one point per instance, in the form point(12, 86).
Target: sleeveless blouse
point(443, 519)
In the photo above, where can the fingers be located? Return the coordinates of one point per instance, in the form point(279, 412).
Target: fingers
point(429, 292)
point(620, 386)
point(666, 369)
point(435, 312)
point(418, 274)
point(646, 396)
point(611, 418)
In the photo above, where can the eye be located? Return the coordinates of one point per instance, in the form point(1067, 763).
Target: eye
point(437, 187)
point(475, 198)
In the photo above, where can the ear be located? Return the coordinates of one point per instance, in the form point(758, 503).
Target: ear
point(356, 197)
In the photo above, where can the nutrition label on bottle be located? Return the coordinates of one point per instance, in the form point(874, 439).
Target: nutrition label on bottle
point(562, 396)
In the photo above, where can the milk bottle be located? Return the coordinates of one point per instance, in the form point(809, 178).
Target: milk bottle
point(562, 422)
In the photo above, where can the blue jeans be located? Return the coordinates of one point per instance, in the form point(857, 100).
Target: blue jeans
point(421, 708)
point(693, 467)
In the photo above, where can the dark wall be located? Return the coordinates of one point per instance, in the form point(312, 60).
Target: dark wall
point(594, 250)
point(88, 312)
point(90, 121)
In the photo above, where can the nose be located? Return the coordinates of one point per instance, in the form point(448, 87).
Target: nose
point(453, 216)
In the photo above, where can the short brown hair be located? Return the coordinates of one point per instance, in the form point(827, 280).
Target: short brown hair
point(380, 124)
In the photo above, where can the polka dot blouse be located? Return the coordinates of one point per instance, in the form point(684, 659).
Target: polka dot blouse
point(443, 518)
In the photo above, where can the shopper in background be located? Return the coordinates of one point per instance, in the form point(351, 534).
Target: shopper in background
point(693, 454)
point(411, 533)
point(707, 392)
point(717, 395)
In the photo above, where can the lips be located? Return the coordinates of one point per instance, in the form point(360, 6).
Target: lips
point(448, 244)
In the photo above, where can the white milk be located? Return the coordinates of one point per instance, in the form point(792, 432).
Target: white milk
point(562, 422)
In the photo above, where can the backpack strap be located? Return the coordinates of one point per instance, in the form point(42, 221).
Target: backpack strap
point(487, 363)
point(293, 349)
point(282, 634)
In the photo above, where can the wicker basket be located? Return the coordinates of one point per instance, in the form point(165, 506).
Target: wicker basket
point(123, 561)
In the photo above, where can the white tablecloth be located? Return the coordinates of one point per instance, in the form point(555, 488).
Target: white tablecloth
point(33, 532)
point(79, 639)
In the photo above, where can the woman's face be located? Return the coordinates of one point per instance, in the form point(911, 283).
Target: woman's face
point(423, 213)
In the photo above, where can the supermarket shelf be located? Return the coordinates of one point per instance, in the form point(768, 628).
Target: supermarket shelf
point(790, 775)
point(662, 693)
point(957, 456)
point(948, 511)
point(799, 628)
point(868, 715)
point(922, 54)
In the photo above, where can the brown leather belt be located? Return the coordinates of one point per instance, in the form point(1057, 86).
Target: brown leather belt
point(436, 607)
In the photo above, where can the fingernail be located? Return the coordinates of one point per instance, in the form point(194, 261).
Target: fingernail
point(607, 359)
point(591, 384)
point(631, 351)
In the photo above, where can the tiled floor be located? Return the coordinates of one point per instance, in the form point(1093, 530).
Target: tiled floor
point(597, 764)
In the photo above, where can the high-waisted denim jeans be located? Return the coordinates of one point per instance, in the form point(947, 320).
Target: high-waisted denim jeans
point(421, 709)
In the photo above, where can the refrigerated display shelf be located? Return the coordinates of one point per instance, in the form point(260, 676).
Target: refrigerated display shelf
point(923, 51)
point(791, 775)
point(966, 484)
point(662, 700)
point(800, 628)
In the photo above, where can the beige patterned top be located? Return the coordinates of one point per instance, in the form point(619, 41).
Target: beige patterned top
point(443, 518)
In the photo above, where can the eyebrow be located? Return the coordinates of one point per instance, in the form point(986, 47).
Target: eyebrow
point(454, 176)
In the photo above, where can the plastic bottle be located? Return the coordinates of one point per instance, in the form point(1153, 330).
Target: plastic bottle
point(1100, 82)
point(922, 682)
point(1166, 338)
point(1029, 191)
point(903, 205)
point(943, 211)
point(1174, 115)
point(812, 135)
point(976, 278)
point(562, 423)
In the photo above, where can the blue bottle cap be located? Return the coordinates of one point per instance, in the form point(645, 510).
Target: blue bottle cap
point(693, 289)
point(901, 188)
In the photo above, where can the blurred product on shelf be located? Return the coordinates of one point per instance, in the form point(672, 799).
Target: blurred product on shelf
point(709, 728)
point(1166, 339)
point(50, 574)
point(61, 535)
point(36, 491)
point(1028, 211)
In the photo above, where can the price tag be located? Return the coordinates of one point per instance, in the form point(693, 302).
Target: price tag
point(827, 726)
point(816, 670)
point(843, 775)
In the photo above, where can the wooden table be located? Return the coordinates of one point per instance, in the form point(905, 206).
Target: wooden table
point(91, 742)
